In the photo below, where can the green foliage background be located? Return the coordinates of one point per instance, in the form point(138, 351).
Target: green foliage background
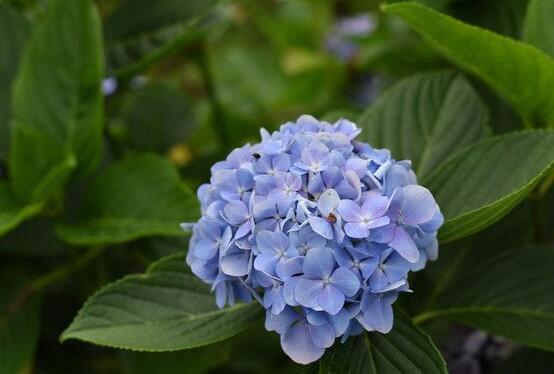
point(113, 111)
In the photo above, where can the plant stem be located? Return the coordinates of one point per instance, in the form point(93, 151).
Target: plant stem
point(54, 276)
point(66, 270)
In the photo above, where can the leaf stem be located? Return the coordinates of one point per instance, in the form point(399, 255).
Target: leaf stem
point(54, 276)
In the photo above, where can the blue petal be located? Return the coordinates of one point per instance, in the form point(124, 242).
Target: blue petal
point(323, 336)
point(321, 226)
point(339, 322)
point(319, 263)
point(376, 313)
point(356, 230)
point(297, 343)
point(281, 322)
point(346, 281)
point(306, 292)
point(235, 264)
point(404, 245)
point(331, 299)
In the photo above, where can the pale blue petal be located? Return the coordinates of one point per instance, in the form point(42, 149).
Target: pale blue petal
point(319, 263)
point(306, 292)
point(404, 245)
point(331, 299)
point(298, 345)
point(321, 226)
point(356, 230)
point(346, 281)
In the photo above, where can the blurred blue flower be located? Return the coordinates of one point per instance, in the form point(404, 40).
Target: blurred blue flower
point(321, 229)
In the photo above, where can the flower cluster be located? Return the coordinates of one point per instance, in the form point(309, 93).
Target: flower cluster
point(321, 229)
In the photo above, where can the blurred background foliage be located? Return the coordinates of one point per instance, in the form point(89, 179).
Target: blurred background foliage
point(190, 80)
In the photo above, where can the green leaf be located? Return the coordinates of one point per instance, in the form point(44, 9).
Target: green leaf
point(501, 16)
point(426, 118)
point(406, 349)
point(485, 181)
point(194, 361)
point(166, 309)
point(57, 104)
point(525, 360)
point(12, 213)
point(157, 118)
point(538, 28)
point(136, 197)
point(19, 323)
point(518, 71)
point(139, 32)
point(506, 295)
point(14, 30)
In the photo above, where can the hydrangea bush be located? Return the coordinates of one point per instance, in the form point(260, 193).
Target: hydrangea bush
point(320, 228)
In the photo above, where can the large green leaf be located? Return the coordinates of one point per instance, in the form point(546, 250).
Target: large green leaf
point(139, 196)
point(12, 213)
point(538, 28)
point(19, 323)
point(14, 29)
point(508, 295)
point(166, 309)
point(501, 16)
point(140, 32)
point(57, 104)
point(157, 118)
point(406, 349)
point(193, 361)
point(484, 182)
point(426, 118)
point(520, 72)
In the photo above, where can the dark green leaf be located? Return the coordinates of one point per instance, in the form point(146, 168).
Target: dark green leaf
point(14, 29)
point(538, 28)
point(501, 16)
point(506, 295)
point(33, 239)
point(426, 118)
point(520, 72)
point(19, 323)
point(526, 360)
point(406, 349)
point(139, 196)
point(166, 309)
point(480, 185)
point(12, 213)
point(158, 117)
point(140, 32)
point(57, 104)
point(194, 361)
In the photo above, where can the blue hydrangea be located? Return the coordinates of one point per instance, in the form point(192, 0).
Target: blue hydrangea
point(319, 228)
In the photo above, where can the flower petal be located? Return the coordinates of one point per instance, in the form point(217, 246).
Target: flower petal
point(331, 299)
point(298, 345)
point(346, 281)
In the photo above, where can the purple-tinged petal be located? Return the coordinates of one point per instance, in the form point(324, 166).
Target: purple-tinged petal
point(356, 230)
point(346, 281)
point(321, 226)
point(319, 263)
point(376, 313)
point(404, 245)
point(306, 292)
point(298, 345)
point(323, 336)
point(331, 299)
point(349, 211)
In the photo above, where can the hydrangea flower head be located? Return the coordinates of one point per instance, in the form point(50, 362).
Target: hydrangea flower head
point(320, 228)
